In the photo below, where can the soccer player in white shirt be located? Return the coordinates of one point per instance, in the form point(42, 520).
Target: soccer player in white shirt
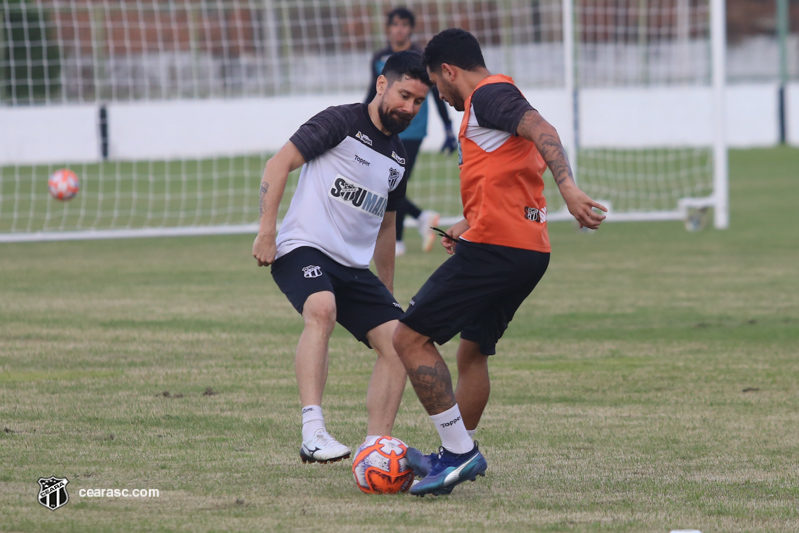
point(343, 214)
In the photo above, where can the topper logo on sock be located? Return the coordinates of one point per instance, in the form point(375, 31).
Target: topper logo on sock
point(447, 424)
point(307, 409)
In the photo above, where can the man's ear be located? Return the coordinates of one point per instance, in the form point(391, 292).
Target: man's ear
point(448, 72)
point(382, 84)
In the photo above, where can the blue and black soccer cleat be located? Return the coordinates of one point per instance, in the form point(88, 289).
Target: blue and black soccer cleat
point(449, 469)
point(420, 463)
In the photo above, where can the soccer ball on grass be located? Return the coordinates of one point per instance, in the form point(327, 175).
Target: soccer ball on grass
point(380, 466)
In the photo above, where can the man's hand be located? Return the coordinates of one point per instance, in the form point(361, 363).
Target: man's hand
point(455, 232)
point(264, 249)
point(450, 143)
point(581, 206)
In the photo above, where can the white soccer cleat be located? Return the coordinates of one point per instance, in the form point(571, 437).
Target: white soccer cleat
point(399, 249)
point(424, 223)
point(323, 448)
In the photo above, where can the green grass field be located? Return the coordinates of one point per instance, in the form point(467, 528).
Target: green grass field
point(650, 383)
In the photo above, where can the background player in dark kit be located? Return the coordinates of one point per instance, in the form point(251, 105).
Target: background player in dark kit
point(400, 23)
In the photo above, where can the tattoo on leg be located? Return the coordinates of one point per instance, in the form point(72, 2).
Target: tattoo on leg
point(433, 385)
point(261, 201)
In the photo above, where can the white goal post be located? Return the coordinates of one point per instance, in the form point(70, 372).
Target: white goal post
point(665, 92)
point(168, 111)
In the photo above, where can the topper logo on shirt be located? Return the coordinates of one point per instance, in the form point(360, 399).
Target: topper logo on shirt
point(358, 197)
point(393, 177)
point(531, 213)
point(363, 138)
point(398, 159)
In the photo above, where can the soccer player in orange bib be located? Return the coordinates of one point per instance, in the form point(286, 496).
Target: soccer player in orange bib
point(500, 250)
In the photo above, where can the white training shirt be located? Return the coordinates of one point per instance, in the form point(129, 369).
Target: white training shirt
point(353, 174)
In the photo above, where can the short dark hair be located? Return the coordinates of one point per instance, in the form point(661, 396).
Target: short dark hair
point(403, 13)
point(405, 63)
point(455, 47)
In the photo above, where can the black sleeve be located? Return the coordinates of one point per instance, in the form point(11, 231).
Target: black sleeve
point(442, 107)
point(500, 106)
point(373, 75)
point(323, 131)
point(397, 195)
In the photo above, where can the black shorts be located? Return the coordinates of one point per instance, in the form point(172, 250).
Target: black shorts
point(475, 293)
point(362, 301)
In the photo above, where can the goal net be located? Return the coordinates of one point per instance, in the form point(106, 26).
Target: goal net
point(168, 111)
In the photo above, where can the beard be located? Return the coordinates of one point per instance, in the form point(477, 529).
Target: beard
point(451, 97)
point(393, 121)
point(458, 104)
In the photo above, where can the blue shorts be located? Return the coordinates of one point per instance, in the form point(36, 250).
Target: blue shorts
point(475, 293)
point(363, 302)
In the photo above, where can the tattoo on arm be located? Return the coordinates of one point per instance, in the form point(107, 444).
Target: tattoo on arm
point(433, 385)
point(555, 156)
point(262, 200)
point(548, 145)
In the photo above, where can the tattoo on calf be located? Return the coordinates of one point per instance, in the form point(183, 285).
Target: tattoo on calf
point(433, 385)
point(261, 201)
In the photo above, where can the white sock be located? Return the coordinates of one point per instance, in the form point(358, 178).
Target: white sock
point(471, 433)
point(312, 421)
point(454, 436)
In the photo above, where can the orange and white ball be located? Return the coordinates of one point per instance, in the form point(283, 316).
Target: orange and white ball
point(63, 184)
point(380, 466)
